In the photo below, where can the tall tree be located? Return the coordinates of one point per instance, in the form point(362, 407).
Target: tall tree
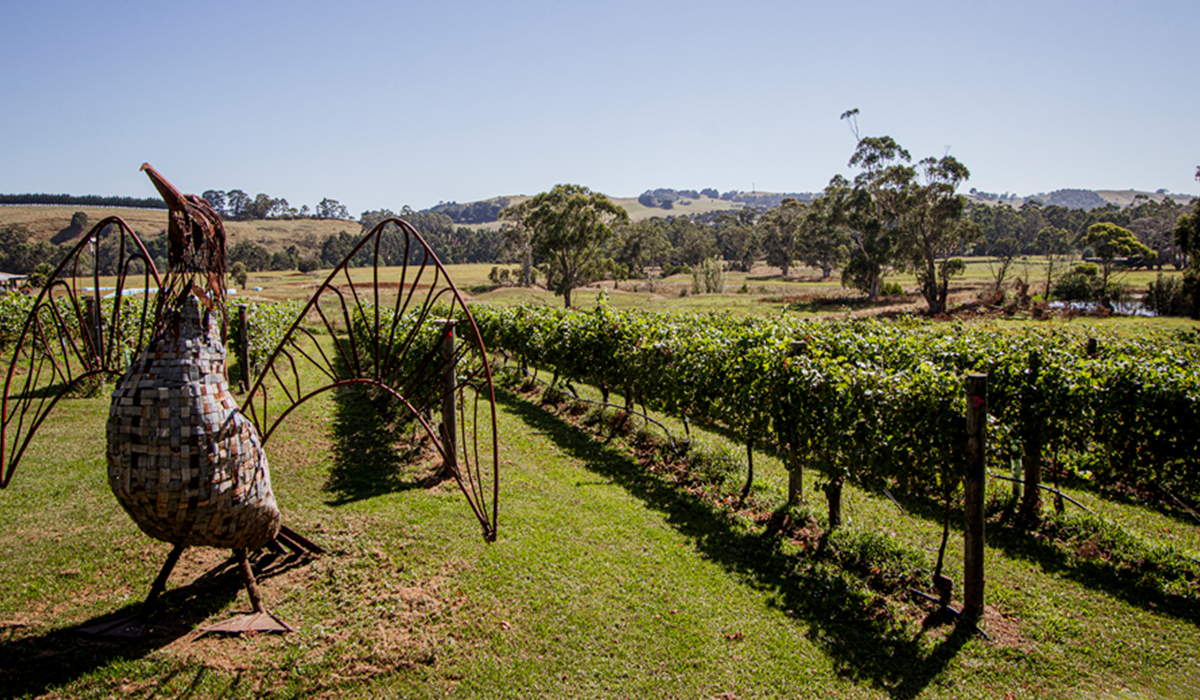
point(781, 229)
point(236, 204)
point(518, 245)
point(640, 245)
point(1112, 242)
point(1000, 261)
point(920, 205)
point(933, 228)
point(254, 256)
point(1187, 237)
point(851, 211)
point(1055, 245)
point(331, 209)
point(1153, 222)
point(216, 199)
point(569, 226)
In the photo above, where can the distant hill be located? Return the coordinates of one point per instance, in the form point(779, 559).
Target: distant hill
point(52, 223)
point(1076, 199)
point(665, 202)
point(88, 200)
point(662, 202)
point(48, 216)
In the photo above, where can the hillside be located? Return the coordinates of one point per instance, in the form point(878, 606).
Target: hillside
point(1076, 199)
point(51, 224)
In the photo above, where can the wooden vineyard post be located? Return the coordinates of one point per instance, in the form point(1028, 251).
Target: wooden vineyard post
point(90, 319)
point(974, 496)
point(1031, 502)
point(795, 470)
point(243, 346)
point(449, 386)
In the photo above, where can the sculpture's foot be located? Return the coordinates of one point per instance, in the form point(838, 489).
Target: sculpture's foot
point(123, 625)
point(258, 621)
point(253, 622)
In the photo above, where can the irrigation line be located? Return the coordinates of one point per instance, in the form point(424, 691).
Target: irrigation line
point(894, 501)
point(1054, 491)
point(950, 610)
point(1178, 502)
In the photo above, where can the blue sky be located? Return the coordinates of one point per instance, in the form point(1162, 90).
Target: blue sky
point(382, 104)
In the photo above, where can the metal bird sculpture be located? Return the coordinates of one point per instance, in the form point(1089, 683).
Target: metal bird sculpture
point(185, 460)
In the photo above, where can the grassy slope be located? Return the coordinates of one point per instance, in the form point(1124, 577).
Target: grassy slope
point(45, 222)
point(605, 582)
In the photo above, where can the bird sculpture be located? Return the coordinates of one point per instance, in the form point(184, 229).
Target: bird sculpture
point(185, 460)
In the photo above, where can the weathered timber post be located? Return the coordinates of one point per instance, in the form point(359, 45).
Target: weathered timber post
point(449, 386)
point(1093, 347)
point(833, 492)
point(973, 488)
point(91, 319)
point(244, 346)
point(795, 469)
point(1031, 410)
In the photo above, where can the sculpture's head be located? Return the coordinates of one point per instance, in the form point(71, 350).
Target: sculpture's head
point(195, 247)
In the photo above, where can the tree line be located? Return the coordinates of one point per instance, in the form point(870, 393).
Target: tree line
point(89, 200)
point(895, 215)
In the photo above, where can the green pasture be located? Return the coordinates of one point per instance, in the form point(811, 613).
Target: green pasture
point(607, 580)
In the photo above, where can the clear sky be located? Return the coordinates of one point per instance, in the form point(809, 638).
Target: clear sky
point(382, 104)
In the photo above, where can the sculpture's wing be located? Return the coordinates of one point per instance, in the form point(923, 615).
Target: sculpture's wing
point(93, 313)
point(406, 331)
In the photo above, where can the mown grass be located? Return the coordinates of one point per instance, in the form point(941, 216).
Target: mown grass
point(608, 579)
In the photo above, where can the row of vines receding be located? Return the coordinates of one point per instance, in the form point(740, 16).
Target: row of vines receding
point(884, 402)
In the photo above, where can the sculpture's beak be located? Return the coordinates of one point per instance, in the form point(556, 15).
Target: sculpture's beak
point(173, 197)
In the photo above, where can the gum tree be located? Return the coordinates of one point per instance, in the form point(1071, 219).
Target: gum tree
point(568, 228)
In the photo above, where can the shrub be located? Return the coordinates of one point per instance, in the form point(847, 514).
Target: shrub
point(709, 277)
point(1080, 284)
point(1165, 296)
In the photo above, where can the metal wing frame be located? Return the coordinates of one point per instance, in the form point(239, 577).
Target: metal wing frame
point(422, 347)
point(72, 335)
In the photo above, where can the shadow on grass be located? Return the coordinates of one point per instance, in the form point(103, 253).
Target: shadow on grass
point(865, 645)
point(372, 455)
point(33, 664)
point(1096, 573)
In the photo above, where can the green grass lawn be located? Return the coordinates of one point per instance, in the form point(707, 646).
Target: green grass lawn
point(606, 581)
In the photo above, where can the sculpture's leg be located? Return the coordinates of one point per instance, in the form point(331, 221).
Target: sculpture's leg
point(260, 620)
point(248, 579)
point(133, 624)
point(160, 583)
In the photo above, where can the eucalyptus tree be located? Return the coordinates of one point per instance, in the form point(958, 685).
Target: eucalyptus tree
point(781, 232)
point(568, 227)
point(917, 208)
point(1112, 242)
point(934, 230)
point(848, 212)
point(1055, 246)
point(641, 245)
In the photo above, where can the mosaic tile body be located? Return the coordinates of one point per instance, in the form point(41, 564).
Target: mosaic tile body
point(183, 461)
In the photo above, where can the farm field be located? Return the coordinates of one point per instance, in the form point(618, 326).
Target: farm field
point(760, 292)
point(618, 572)
point(608, 579)
point(45, 222)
